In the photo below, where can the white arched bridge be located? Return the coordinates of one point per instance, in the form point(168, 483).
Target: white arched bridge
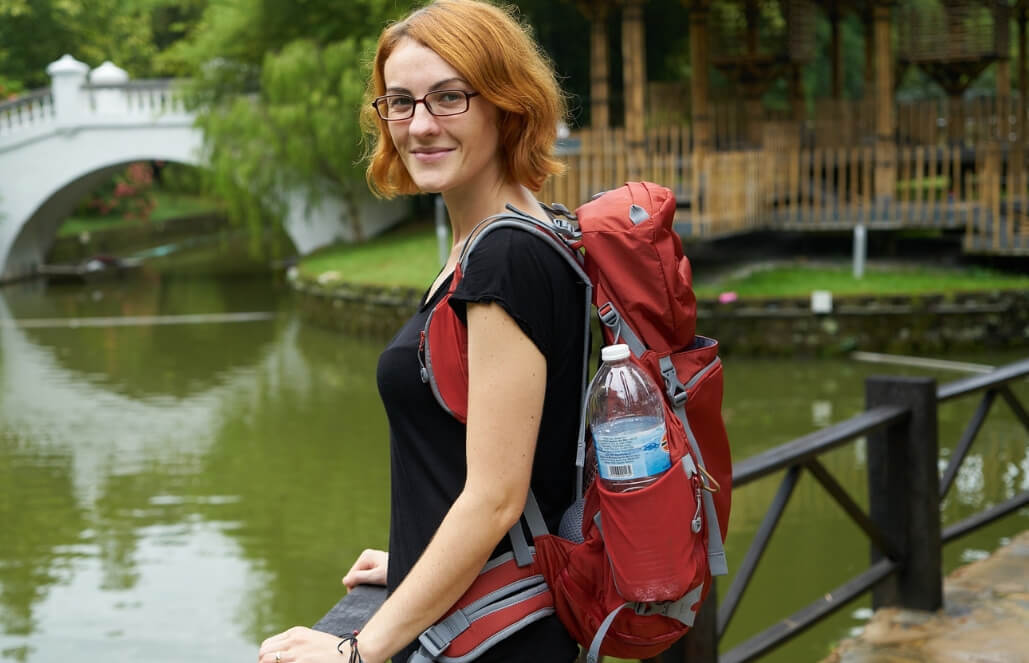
point(60, 143)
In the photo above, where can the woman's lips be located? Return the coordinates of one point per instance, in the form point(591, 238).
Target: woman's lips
point(432, 155)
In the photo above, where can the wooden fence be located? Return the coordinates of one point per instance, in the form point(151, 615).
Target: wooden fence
point(787, 186)
point(842, 123)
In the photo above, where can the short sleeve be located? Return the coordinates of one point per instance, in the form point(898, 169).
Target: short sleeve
point(529, 279)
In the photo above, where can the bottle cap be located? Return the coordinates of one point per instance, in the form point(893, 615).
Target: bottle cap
point(614, 352)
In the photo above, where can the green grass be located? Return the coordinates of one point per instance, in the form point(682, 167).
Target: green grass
point(406, 257)
point(800, 280)
point(409, 257)
point(169, 206)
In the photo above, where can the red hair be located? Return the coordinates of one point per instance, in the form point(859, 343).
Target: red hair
point(494, 52)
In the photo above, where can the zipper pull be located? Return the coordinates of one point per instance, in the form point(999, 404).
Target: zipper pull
point(423, 372)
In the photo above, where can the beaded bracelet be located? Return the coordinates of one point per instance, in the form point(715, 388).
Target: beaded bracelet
point(351, 639)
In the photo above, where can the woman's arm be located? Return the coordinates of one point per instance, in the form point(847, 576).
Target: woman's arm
point(506, 384)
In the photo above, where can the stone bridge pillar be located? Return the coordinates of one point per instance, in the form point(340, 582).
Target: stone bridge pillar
point(67, 76)
point(109, 101)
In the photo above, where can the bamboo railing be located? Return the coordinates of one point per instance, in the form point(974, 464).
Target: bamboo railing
point(786, 185)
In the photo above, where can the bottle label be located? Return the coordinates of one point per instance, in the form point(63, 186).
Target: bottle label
point(631, 448)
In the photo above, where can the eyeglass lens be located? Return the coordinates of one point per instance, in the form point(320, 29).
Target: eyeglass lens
point(441, 102)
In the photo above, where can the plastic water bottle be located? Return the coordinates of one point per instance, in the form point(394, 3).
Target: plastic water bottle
point(626, 417)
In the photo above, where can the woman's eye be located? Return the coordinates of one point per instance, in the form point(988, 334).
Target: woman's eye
point(449, 98)
point(400, 103)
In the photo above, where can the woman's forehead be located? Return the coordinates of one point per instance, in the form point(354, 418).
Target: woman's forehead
point(413, 66)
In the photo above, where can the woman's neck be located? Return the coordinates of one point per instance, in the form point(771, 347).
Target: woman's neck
point(467, 209)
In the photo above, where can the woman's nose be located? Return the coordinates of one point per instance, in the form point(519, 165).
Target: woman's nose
point(423, 122)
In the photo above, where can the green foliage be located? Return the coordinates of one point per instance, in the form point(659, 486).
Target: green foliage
point(800, 280)
point(278, 88)
point(130, 33)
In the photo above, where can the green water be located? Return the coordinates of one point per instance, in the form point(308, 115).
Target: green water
point(180, 492)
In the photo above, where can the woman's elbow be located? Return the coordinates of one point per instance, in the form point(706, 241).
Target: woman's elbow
point(503, 505)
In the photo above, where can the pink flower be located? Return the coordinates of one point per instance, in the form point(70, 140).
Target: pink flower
point(727, 297)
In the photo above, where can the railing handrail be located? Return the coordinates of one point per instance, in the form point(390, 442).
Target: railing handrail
point(135, 84)
point(974, 383)
point(814, 444)
point(895, 426)
point(25, 99)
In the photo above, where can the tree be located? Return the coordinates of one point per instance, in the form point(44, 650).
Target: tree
point(130, 33)
point(278, 88)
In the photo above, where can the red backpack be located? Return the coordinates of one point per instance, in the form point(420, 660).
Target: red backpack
point(628, 572)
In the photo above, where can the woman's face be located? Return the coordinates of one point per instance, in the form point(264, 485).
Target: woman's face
point(442, 154)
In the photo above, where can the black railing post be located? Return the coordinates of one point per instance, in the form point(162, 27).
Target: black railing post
point(700, 644)
point(904, 492)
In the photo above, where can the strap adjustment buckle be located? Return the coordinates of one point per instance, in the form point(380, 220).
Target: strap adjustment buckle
point(673, 386)
point(437, 638)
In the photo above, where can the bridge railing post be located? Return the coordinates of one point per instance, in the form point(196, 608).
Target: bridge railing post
point(67, 76)
point(700, 644)
point(904, 492)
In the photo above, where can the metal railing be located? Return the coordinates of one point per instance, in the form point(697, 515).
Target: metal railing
point(903, 522)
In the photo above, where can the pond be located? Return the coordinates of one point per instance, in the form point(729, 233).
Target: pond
point(174, 492)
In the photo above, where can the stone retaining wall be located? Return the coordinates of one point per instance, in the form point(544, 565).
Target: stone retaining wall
point(918, 324)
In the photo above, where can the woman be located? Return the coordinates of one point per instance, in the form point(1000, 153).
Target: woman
point(466, 105)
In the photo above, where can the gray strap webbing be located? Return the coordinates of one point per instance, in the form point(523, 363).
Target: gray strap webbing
point(534, 516)
point(715, 550)
point(435, 639)
point(420, 656)
point(594, 651)
point(519, 546)
point(681, 610)
point(612, 319)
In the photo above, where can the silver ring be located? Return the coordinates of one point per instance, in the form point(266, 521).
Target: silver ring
point(278, 657)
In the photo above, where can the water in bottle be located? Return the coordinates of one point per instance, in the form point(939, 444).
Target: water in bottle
point(626, 417)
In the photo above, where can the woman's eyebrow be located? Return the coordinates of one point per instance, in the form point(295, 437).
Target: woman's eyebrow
point(440, 85)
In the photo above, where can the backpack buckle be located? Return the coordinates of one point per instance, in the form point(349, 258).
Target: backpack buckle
point(438, 637)
point(608, 315)
point(673, 386)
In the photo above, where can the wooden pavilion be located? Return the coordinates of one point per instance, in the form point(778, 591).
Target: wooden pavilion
point(956, 164)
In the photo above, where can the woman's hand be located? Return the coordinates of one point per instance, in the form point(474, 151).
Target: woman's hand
point(303, 645)
point(369, 569)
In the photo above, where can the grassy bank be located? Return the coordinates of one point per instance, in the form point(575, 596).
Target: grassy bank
point(409, 257)
point(168, 206)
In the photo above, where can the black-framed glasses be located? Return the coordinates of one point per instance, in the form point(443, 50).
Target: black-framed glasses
point(395, 107)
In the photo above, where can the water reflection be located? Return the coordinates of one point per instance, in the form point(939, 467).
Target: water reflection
point(215, 480)
point(136, 458)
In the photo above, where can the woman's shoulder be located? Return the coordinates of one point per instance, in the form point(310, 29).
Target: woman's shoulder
point(519, 246)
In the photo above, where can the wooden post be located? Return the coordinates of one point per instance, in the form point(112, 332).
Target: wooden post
point(700, 111)
point(700, 644)
point(835, 52)
point(904, 492)
point(634, 68)
point(797, 104)
point(869, 23)
point(1023, 82)
point(1002, 44)
point(600, 114)
point(885, 145)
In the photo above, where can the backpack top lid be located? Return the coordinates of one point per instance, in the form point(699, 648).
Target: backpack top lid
point(635, 260)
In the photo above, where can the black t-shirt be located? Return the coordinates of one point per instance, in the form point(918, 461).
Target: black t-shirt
point(542, 293)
